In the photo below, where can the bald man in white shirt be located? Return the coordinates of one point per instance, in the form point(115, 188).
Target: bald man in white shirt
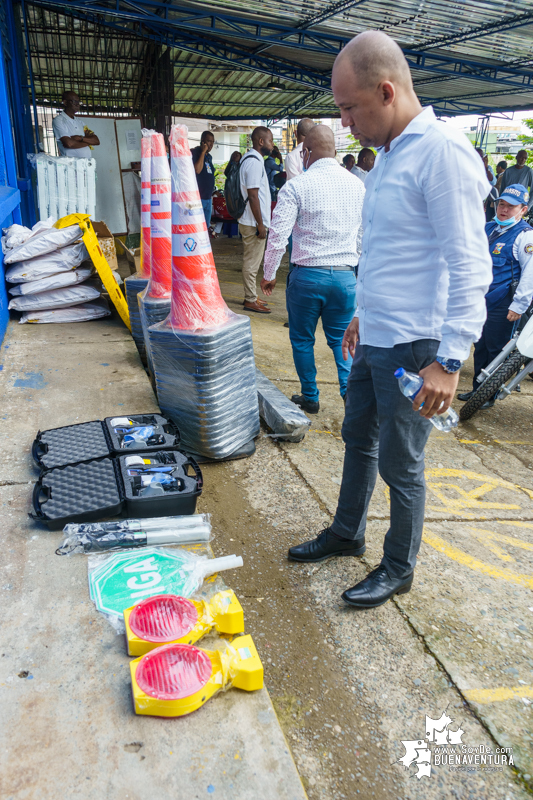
point(422, 278)
point(322, 210)
point(293, 162)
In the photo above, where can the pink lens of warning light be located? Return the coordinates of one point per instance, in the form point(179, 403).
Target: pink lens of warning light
point(163, 618)
point(173, 671)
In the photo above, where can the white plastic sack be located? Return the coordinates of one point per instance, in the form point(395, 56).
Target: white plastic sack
point(16, 235)
point(82, 313)
point(57, 298)
point(45, 242)
point(53, 282)
point(42, 267)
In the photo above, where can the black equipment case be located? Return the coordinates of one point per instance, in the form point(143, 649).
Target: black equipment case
point(102, 487)
point(86, 441)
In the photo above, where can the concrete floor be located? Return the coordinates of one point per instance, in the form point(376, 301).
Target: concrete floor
point(460, 642)
point(68, 728)
point(348, 687)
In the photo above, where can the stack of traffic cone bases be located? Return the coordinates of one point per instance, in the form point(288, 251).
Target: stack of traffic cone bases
point(154, 302)
point(202, 354)
point(138, 282)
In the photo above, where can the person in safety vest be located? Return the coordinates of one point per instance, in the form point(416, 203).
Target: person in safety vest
point(511, 291)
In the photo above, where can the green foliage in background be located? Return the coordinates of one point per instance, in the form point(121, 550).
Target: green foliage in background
point(354, 145)
point(528, 140)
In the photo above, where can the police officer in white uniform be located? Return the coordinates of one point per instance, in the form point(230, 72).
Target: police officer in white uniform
point(511, 291)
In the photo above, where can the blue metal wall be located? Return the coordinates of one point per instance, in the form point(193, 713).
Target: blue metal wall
point(14, 169)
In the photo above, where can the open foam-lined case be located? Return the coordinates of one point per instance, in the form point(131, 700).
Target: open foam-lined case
point(86, 441)
point(93, 490)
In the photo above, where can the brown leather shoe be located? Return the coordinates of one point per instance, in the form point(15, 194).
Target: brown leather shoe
point(260, 309)
point(258, 301)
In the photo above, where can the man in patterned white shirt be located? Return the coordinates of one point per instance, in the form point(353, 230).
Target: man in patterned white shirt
point(322, 209)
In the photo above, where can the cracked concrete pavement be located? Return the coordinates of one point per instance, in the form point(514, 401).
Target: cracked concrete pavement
point(461, 641)
point(348, 687)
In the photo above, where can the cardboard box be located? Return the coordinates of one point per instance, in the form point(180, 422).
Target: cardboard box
point(106, 240)
point(133, 255)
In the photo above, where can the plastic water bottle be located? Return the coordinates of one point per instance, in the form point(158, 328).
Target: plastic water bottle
point(410, 384)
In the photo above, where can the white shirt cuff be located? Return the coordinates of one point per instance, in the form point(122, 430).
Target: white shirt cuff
point(455, 346)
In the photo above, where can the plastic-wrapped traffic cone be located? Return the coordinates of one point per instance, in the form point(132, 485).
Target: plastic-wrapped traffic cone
point(202, 354)
point(135, 284)
point(161, 222)
point(154, 302)
point(196, 299)
point(146, 199)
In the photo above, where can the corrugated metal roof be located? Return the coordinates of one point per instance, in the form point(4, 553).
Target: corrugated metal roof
point(223, 59)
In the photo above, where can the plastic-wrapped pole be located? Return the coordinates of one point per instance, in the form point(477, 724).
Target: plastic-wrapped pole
point(146, 199)
point(161, 224)
point(196, 298)
point(152, 524)
point(95, 543)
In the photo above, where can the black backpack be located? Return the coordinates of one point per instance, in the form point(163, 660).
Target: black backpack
point(235, 202)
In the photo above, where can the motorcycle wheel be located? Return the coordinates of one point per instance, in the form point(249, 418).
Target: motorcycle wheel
point(492, 385)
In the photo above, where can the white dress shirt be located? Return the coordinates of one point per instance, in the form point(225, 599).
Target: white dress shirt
point(523, 252)
point(425, 266)
point(294, 163)
point(253, 176)
point(359, 172)
point(322, 209)
point(63, 125)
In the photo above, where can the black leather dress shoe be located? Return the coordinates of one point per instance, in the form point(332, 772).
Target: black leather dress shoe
point(326, 545)
point(376, 589)
point(306, 405)
point(465, 396)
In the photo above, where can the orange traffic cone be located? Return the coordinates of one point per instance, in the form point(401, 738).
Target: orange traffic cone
point(196, 298)
point(146, 198)
point(154, 302)
point(160, 213)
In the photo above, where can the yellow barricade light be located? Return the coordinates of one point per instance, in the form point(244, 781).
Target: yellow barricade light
point(99, 260)
point(167, 618)
point(176, 679)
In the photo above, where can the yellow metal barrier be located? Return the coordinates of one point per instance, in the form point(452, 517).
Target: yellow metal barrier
point(97, 257)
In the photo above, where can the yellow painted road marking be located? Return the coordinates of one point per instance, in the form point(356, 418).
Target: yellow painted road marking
point(516, 523)
point(314, 430)
point(487, 540)
point(485, 536)
point(511, 441)
point(468, 499)
point(499, 694)
point(473, 563)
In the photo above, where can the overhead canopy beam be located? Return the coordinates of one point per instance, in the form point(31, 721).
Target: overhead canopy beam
point(504, 24)
point(209, 22)
point(300, 105)
point(143, 11)
point(329, 11)
point(130, 22)
point(215, 50)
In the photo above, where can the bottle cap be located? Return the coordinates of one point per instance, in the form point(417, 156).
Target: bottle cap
point(399, 372)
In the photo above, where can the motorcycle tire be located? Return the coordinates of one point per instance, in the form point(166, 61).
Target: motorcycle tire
point(492, 385)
